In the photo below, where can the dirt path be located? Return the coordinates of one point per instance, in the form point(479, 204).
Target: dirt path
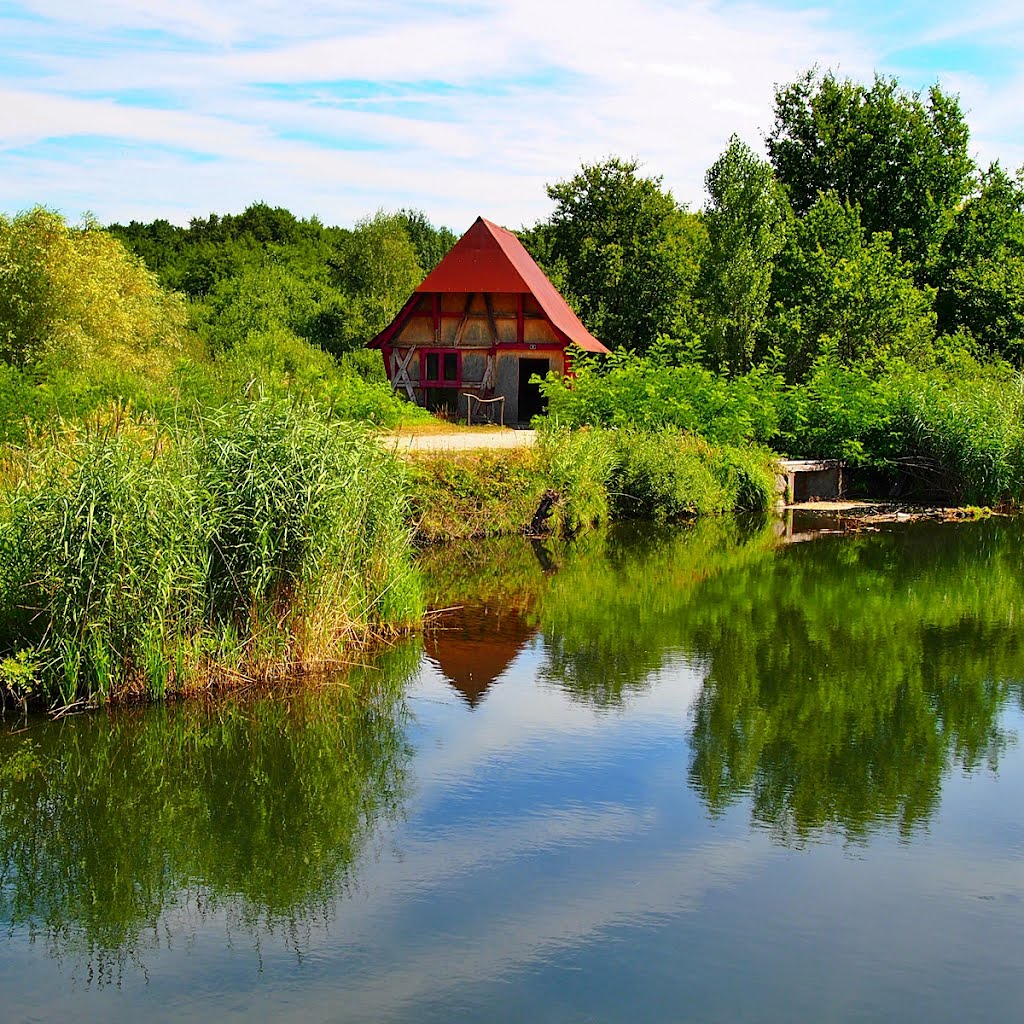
point(456, 441)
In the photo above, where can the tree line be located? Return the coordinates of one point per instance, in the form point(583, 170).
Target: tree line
point(868, 231)
point(866, 244)
point(335, 287)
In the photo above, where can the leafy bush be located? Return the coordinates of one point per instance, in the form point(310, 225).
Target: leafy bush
point(647, 392)
point(664, 476)
point(840, 412)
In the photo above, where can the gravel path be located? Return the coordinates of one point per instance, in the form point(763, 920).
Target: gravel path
point(468, 441)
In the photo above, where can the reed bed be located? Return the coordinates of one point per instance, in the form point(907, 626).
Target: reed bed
point(136, 560)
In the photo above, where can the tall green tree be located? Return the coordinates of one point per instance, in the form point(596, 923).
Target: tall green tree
point(380, 268)
point(431, 243)
point(838, 289)
point(746, 220)
point(981, 267)
point(78, 296)
point(902, 157)
point(623, 250)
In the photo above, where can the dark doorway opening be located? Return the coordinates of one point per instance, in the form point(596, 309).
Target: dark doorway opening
point(531, 401)
point(442, 400)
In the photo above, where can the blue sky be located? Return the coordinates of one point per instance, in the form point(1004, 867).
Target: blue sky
point(176, 108)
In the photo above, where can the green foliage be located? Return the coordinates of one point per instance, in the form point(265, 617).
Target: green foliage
point(577, 465)
point(431, 243)
point(643, 391)
point(625, 253)
point(952, 431)
point(352, 388)
point(980, 272)
point(746, 225)
point(262, 539)
point(589, 477)
point(264, 269)
point(837, 290)
point(966, 437)
point(81, 322)
point(839, 411)
point(380, 267)
point(76, 295)
point(666, 476)
point(903, 159)
point(475, 494)
point(194, 259)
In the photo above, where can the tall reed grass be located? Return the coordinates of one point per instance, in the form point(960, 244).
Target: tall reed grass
point(256, 541)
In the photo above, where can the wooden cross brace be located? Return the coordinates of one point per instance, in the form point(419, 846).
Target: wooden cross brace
point(400, 372)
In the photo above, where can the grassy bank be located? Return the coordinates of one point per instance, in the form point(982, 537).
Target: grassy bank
point(265, 540)
point(137, 560)
point(584, 478)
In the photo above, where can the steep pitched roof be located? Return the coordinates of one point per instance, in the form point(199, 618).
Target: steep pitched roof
point(488, 258)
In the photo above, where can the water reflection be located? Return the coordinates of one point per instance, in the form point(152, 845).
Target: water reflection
point(841, 678)
point(473, 645)
point(248, 810)
point(625, 706)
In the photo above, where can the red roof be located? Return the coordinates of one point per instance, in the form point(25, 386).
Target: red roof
point(488, 258)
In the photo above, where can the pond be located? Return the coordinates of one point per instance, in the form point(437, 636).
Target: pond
point(695, 774)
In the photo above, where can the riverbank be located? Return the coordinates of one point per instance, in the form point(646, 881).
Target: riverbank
point(567, 481)
point(264, 541)
point(140, 561)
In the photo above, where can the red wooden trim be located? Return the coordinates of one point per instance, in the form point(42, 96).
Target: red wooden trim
point(540, 346)
point(449, 314)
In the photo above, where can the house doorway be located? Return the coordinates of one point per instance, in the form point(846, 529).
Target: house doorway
point(531, 401)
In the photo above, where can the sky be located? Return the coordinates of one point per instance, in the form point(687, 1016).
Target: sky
point(179, 108)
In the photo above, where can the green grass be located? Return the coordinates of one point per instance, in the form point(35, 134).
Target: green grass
point(254, 542)
point(593, 476)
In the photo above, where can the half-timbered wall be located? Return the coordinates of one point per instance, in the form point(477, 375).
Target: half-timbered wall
point(502, 328)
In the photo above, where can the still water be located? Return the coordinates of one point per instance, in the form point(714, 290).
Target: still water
point(688, 775)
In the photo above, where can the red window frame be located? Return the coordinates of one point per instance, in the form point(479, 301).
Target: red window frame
point(441, 380)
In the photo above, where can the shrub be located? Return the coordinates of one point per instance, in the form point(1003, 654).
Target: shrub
point(577, 466)
point(645, 392)
point(664, 476)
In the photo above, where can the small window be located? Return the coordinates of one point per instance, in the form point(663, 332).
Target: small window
point(441, 368)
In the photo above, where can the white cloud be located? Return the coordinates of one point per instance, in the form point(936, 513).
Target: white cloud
point(461, 111)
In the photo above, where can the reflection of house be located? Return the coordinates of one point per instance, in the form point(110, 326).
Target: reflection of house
point(482, 323)
point(473, 646)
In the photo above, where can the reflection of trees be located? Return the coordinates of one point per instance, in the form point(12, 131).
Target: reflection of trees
point(255, 809)
point(619, 608)
point(843, 677)
point(852, 673)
